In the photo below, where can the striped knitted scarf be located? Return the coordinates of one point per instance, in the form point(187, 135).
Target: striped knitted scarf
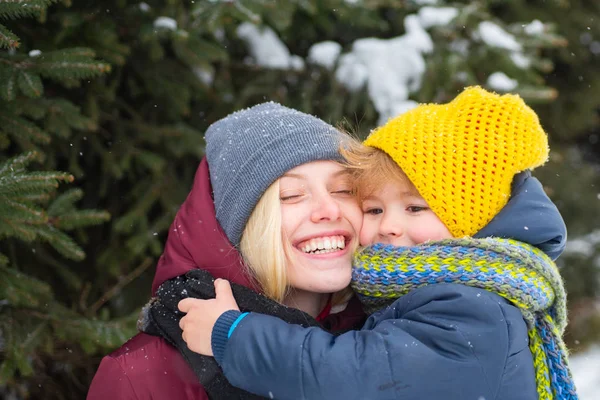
point(516, 271)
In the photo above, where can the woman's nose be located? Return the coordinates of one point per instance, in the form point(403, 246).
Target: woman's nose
point(325, 207)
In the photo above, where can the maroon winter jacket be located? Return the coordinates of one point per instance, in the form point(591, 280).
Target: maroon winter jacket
point(147, 367)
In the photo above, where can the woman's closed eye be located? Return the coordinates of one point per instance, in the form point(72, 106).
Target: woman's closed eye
point(347, 192)
point(342, 187)
point(290, 195)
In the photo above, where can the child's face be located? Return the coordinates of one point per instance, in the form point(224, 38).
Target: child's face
point(396, 214)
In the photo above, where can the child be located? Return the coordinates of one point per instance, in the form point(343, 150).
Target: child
point(458, 312)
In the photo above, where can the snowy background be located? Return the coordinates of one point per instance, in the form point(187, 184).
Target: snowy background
point(391, 69)
point(586, 370)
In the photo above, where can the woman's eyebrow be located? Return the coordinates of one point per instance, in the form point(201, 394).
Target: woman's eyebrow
point(292, 175)
point(301, 176)
point(342, 172)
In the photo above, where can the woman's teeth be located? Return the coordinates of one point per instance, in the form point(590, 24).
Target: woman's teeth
point(323, 245)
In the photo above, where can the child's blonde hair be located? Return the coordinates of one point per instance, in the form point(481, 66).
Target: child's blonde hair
point(371, 168)
point(266, 252)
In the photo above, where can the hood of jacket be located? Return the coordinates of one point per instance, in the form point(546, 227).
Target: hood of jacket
point(531, 217)
point(197, 241)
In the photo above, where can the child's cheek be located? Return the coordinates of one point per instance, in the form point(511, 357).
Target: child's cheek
point(368, 231)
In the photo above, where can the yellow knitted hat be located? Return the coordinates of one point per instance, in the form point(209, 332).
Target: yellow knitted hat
point(462, 156)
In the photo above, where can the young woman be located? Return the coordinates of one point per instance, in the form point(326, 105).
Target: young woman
point(271, 187)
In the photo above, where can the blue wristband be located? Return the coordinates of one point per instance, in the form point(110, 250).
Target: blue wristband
point(222, 330)
point(235, 324)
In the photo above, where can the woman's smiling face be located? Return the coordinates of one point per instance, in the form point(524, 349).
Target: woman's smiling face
point(321, 220)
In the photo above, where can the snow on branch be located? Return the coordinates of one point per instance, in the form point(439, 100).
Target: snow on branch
point(267, 49)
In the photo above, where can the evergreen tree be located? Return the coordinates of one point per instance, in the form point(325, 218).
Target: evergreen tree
point(117, 93)
point(35, 215)
point(572, 176)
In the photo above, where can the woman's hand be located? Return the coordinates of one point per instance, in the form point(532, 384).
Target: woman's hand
point(202, 315)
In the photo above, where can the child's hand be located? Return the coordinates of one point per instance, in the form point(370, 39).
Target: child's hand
point(202, 315)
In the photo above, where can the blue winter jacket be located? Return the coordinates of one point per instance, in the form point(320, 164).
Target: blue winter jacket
point(443, 341)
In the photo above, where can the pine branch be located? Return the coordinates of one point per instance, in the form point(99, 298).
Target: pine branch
point(90, 334)
point(64, 70)
point(22, 213)
point(537, 94)
point(70, 54)
point(13, 9)
point(8, 84)
point(30, 84)
point(63, 326)
point(60, 241)
point(65, 202)
point(151, 161)
point(197, 52)
point(10, 228)
point(33, 108)
point(79, 219)
point(20, 127)
point(68, 275)
point(63, 116)
point(149, 193)
point(18, 163)
point(32, 198)
point(67, 66)
point(52, 325)
point(8, 39)
point(93, 309)
point(16, 356)
point(30, 182)
point(23, 290)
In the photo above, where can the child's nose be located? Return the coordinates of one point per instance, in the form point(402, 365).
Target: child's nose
point(391, 227)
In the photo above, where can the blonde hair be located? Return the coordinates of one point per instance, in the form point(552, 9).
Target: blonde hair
point(262, 246)
point(266, 253)
point(371, 167)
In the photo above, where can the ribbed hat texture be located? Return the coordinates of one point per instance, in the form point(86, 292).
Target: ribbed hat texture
point(250, 149)
point(462, 156)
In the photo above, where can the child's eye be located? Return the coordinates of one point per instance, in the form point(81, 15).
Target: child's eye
point(374, 211)
point(416, 209)
point(348, 192)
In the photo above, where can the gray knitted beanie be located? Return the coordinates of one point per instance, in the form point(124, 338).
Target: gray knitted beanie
point(250, 149)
